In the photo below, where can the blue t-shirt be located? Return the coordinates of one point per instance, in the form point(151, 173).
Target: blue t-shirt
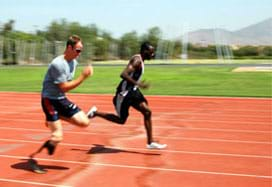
point(59, 71)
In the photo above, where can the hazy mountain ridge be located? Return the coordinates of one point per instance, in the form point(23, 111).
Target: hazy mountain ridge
point(256, 34)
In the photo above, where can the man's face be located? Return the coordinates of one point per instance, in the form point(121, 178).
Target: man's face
point(76, 50)
point(150, 53)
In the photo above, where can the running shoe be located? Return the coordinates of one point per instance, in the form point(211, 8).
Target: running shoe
point(91, 112)
point(155, 145)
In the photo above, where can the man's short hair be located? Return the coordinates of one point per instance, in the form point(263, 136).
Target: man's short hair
point(145, 46)
point(73, 40)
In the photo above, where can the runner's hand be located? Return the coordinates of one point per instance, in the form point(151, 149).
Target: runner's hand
point(143, 85)
point(87, 71)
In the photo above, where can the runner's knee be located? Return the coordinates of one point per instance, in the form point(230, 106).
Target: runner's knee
point(122, 121)
point(147, 113)
point(81, 120)
point(57, 137)
point(84, 123)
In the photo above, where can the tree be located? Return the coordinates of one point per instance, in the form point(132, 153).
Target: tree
point(9, 46)
point(128, 45)
point(8, 27)
point(153, 35)
point(267, 50)
point(246, 51)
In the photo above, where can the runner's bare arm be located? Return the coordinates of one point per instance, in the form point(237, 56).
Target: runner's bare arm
point(134, 64)
point(67, 86)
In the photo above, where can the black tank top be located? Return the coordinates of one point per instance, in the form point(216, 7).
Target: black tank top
point(124, 85)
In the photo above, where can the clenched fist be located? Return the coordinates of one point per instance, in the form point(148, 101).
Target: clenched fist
point(87, 71)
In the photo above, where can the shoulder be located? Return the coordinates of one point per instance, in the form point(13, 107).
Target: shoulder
point(58, 60)
point(136, 57)
point(58, 63)
point(136, 60)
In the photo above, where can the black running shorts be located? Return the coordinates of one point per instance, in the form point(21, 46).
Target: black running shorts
point(53, 108)
point(122, 102)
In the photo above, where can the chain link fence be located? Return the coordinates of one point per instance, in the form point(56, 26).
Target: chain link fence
point(38, 52)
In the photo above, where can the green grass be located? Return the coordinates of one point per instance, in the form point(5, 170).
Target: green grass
point(192, 61)
point(164, 80)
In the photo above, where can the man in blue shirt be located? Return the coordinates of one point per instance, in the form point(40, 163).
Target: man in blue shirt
point(59, 80)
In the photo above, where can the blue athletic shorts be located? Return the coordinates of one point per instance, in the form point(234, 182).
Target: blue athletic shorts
point(53, 108)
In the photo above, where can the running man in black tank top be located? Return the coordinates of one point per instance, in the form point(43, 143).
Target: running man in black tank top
point(128, 94)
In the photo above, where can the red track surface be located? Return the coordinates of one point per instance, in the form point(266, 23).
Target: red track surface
point(211, 142)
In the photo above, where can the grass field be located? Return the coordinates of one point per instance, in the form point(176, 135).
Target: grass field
point(164, 79)
point(192, 61)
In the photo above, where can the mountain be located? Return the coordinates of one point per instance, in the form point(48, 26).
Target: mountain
point(256, 34)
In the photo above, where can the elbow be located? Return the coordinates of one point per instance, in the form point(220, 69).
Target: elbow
point(63, 87)
point(64, 90)
point(122, 75)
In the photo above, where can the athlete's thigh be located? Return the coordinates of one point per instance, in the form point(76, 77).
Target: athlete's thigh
point(70, 112)
point(142, 107)
point(55, 109)
point(79, 119)
point(139, 102)
point(67, 108)
point(49, 109)
point(122, 104)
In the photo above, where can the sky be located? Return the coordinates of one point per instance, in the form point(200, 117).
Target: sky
point(174, 17)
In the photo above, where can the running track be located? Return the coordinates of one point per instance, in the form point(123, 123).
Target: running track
point(218, 142)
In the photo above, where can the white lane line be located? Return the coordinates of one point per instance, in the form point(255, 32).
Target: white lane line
point(144, 167)
point(9, 109)
point(10, 105)
point(141, 149)
point(164, 127)
point(161, 137)
point(168, 119)
point(32, 183)
point(153, 97)
point(217, 140)
point(188, 100)
point(9, 147)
